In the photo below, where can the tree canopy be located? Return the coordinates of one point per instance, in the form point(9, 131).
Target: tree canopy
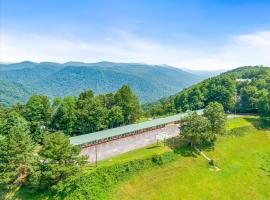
point(204, 129)
point(196, 129)
point(58, 161)
point(16, 155)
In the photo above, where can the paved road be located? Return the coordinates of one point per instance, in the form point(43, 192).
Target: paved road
point(123, 145)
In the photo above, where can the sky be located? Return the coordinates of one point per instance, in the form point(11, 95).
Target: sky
point(193, 34)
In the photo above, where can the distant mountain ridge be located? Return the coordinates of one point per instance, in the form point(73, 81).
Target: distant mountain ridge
point(204, 73)
point(149, 82)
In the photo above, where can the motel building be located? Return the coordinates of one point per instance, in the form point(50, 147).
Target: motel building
point(111, 142)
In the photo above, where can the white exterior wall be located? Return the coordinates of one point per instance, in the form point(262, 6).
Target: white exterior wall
point(122, 145)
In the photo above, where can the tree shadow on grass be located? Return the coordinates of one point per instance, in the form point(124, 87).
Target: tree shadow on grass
point(153, 147)
point(239, 131)
point(181, 147)
point(258, 123)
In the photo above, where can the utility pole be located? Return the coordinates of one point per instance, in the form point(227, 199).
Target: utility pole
point(96, 154)
point(164, 142)
point(235, 102)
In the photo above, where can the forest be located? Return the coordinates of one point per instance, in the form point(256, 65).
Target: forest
point(242, 90)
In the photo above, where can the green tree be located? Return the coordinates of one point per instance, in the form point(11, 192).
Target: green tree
point(12, 119)
point(222, 90)
point(107, 100)
point(91, 116)
point(264, 106)
point(65, 116)
point(181, 102)
point(115, 117)
point(86, 95)
point(59, 160)
point(18, 107)
point(196, 99)
point(249, 99)
point(38, 113)
point(55, 105)
point(129, 104)
point(3, 112)
point(196, 129)
point(16, 156)
point(214, 112)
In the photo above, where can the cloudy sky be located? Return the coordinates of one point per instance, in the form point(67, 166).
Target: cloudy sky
point(194, 34)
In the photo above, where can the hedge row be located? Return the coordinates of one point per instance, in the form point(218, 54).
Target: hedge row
point(97, 184)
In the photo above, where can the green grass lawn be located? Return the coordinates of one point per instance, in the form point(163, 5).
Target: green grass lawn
point(142, 153)
point(239, 157)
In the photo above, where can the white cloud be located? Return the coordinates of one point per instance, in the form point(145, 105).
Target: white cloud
point(246, 49)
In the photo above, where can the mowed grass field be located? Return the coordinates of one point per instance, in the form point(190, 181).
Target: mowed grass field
point(240, 155)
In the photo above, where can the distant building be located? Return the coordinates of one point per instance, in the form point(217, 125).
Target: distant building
point(243, 80)
point(111, 142)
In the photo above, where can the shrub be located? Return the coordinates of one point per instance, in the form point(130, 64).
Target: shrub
point(96, 185)
point(211, 162)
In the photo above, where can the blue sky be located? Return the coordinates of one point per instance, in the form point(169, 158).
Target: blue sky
point(195, 34)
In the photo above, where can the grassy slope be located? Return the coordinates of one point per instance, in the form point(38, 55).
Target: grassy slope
point(239, 157)
point(142, 153)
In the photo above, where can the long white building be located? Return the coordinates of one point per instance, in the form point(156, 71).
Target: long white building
point(107, 143)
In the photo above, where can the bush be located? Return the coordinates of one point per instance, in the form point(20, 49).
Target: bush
point(211, 162)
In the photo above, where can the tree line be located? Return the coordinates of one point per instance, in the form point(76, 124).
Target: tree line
point(245, 90)
point(74, 116)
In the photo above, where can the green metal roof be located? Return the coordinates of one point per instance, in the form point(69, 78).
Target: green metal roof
point(90, 137)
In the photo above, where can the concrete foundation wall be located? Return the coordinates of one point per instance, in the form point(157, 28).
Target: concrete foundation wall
point(119, 146)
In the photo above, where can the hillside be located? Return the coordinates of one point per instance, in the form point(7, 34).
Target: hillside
point(221, 88)
point(11, 93)
point(149, 82)
point(240, 158)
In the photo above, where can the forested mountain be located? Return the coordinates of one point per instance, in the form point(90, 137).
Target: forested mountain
point(245, 89)
point(149, 82)
point(11, 93)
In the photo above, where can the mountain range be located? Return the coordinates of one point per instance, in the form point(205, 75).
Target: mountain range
point(149, 82)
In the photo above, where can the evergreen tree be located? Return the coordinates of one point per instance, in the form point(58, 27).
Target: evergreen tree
point(59, 160)
point(16, 155)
